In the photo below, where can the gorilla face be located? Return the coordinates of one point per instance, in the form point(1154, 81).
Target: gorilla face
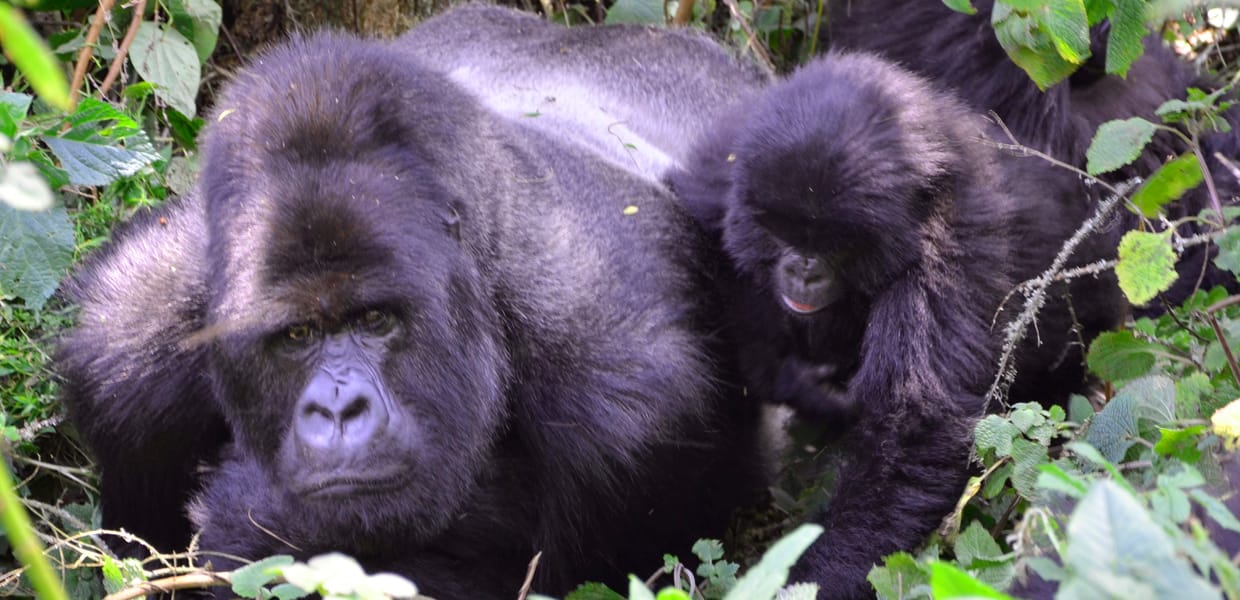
point(363, 371)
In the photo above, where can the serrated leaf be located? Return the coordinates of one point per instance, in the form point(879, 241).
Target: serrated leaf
point(36, 249)
point(899, 576)
point(247, 580)
point(977, 551)
point(642, 12)
point(1168, 184)
point(1124, 42)
point(33, 58)
point(97, 162)
point(1146, 265)
point(770, 574)
point(1180, 443)
point(1120, 356)
point(23, 187)
point(1228, 257)
point(1114, 546)
point(948, 582)
point(1028, 456)
point(708, 550)
point(1115, 429)
point(199, 21)
point(994, 432)
point(165, 58)
point(961, 6)
point(1029, 46)
point(1068, 26)
point(593, 591)
point(1118, 143)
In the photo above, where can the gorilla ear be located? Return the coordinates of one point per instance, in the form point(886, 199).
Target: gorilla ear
point(452, 223)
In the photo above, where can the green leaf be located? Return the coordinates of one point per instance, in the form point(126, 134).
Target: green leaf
point(1189, 391)
point(899, 577)
point(1054, 478)
point(708, 550)
point(1115, 549)
point(1168, 184)
point(1146, 265)
point(1216, 509)
point(36, 249)
point(199, 21)
point(248, 580)
point(13, 109)
point(594, 591)
point(1180, 443)
point(994, 432)
point(163, 56)
point(1228, 257)
point(1115, 428)
point(799, 591)
point(948, 582)
point(961, 6)
point(765, 578)
point(1120, 356)
point(1118, 143)
point(977, 551)
point(33, 58)
point(1124, 43)
point(642, 12)
point(288, 591)
point(1068, 26)
point(638, 590)
point(1028, 456)
point(1029, 46)
point(23, 187)
point(673, 594)
point(98, 162)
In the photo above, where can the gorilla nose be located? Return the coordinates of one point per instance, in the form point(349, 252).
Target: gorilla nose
point(338, 413)
point(805, 268)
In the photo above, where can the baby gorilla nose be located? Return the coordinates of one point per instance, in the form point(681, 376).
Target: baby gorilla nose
point(339, 412)
point(805, 283)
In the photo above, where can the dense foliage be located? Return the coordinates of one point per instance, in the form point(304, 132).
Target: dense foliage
point(1116, 496)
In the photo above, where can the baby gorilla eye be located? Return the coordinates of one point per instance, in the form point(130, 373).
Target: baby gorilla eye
point(299, 333)
point(377, 321)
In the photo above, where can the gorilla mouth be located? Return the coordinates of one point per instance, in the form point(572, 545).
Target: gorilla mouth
point(333, 486)
point(799, 307)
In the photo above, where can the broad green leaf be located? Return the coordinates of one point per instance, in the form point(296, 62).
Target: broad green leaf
point(36, 249)
point(165, 58)
point(199, 21)
point(1114, 429)
point(1116, 550)
point(594, 591)
point(288, 591)
point(1120, 356)
point(643, 12)
point(1068, 26)
point(1167, 184)
point(1118, 143)
point(1098, 10)
point(900, 577)
point(994, 432)
point(1180, 443)
point(948, 582)
point(1146, 265)
point(91, 111)
point(1028, 456)
point(1124, 43)
point(97, 162)
point(33, 58)
point(23, 187)
point(1228, 257)
point(247, 580)
point(977, 551)
point(1029, 46)
point(770, 574)
point(1054, 478)
point(13, 109)
point(961, 6)
point(638, 590)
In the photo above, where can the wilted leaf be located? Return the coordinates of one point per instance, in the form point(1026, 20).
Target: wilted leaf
point(1146, 265)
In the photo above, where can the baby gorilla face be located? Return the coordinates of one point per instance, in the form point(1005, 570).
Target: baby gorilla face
point(806, 282)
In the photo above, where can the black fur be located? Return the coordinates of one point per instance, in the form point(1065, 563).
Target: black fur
point(542, 374)
point(856, 164)
point(962, 53)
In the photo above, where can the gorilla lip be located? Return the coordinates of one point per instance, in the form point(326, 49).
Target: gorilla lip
point(332, 486)
point(799, 308)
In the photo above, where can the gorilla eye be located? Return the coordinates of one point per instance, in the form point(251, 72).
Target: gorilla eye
point(377, 321)
point(300, 332)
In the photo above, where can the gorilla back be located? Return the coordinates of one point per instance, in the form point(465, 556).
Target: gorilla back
point(440, 340)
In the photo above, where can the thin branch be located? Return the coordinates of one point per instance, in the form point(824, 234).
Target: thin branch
point(529, 577)
point(684, 13)
point(751, 39)
point(88, 50)
point(1222, 340)
point(191, 581)
point(118, 63)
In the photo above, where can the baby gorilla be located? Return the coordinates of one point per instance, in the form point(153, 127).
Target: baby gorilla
point(868, 232)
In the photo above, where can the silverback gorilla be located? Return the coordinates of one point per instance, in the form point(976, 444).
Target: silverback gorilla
point(397, 324)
